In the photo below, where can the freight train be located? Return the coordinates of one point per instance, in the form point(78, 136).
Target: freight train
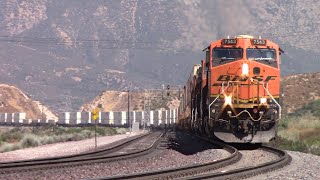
point(233, 94)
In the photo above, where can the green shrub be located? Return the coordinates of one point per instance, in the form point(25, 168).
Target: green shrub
point(12, 135)
point(44, 131)
point(283, 123)
point(74, 130)
point(121, 130)
point(313, 108)
point(315, 149)
point(9, 147)
point(47, 140)
point(17, 138)
point(78, 137)
point(297, 146)
point(29, 141)
point(101, 131)
point(110, 131)
point(59, 130)
point(68, 137)
point(286, 144)
point(87, 133)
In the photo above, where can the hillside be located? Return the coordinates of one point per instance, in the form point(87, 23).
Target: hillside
point(118, 101)
point(14, 100)
point(64, 53)
point(300, 90)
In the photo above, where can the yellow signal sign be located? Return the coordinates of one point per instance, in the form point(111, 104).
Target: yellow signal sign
point(95, 111)
point(95, 117)
point(95, 114)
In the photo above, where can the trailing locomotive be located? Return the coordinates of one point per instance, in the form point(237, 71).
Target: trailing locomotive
point(234, 93)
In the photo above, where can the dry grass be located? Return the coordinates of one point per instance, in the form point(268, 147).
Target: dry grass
point(300, 133)
point(299, 127)
point(22, 137)
point(307, 121)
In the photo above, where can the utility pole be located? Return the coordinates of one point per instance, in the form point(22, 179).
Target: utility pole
point(95, 123)
point(67, 103)
point(95, 134)
point(162, 91)
point(129, 122)
point(146, 107)
point(144, 110)
point(179, 94)
point(149, 110)
point(42, 112)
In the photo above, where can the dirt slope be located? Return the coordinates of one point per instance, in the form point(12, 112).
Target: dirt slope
point(14, 100)
point(118, 101)
point(300, 90)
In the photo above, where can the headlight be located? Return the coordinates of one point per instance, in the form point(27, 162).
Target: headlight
point(263, 100)
point(245, 69)
point(227, 99)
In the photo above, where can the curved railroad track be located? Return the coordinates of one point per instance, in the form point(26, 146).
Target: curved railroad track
point(146, 143)
point(245, 172)
point(186, 171)
point(202, 171)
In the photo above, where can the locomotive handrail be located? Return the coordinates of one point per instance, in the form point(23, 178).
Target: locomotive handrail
point(273, 100)
point(263, 85)
point(247, 113)
point(228, 84)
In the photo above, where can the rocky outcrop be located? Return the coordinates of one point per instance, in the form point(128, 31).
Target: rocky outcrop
point(13, 100)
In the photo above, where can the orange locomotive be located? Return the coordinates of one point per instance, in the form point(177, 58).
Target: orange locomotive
point(234, 94)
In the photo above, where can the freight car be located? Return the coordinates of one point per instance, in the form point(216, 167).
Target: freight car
point(233, 94)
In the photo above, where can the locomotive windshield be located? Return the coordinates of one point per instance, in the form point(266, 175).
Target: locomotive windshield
point(226, 55)
point(265, 56)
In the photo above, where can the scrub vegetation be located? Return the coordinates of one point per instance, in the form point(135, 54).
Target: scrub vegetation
point(24, 137)
point(300, 131)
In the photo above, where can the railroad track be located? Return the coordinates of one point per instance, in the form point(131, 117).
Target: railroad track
point(202, 171)
point(102, 155)
point(245, 172)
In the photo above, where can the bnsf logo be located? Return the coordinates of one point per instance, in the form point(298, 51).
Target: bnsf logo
point(237, 78)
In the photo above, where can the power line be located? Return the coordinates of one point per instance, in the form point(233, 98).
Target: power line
point(120, 44)
point(48, 39)
point(85, 43)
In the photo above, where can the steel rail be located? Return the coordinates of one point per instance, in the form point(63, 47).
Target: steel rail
point(91, 157)
point(284, 159)
point(202, 171)
point(111, 149)
point(184, 171)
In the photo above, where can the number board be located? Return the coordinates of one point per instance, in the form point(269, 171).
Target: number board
point(229, 42)
point(259, 42)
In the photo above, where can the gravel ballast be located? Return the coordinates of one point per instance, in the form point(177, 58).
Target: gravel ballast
point(62, 148)
point(186, 151)
point(183, 150)
point(249, 158)
point(302, 166)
